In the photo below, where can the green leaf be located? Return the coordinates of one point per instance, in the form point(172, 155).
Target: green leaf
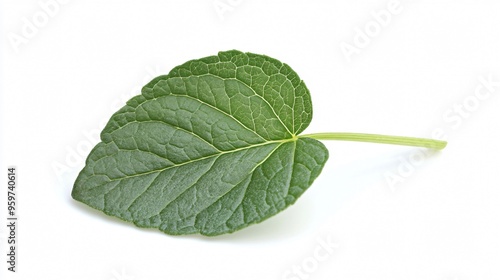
point(210, 148)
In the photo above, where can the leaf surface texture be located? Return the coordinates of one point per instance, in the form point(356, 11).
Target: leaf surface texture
point(210, 148)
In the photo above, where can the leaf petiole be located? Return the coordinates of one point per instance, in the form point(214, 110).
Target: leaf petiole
point(378, 138)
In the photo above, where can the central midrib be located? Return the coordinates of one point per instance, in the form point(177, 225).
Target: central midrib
point(207, 157)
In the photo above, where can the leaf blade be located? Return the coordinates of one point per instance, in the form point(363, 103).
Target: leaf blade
point(179, 156)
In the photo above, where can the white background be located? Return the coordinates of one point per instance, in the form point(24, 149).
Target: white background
point(415, 73)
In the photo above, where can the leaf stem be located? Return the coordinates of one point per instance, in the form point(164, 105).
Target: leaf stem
point(378, 138)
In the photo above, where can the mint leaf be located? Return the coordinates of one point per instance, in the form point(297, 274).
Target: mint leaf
point(210, 148)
